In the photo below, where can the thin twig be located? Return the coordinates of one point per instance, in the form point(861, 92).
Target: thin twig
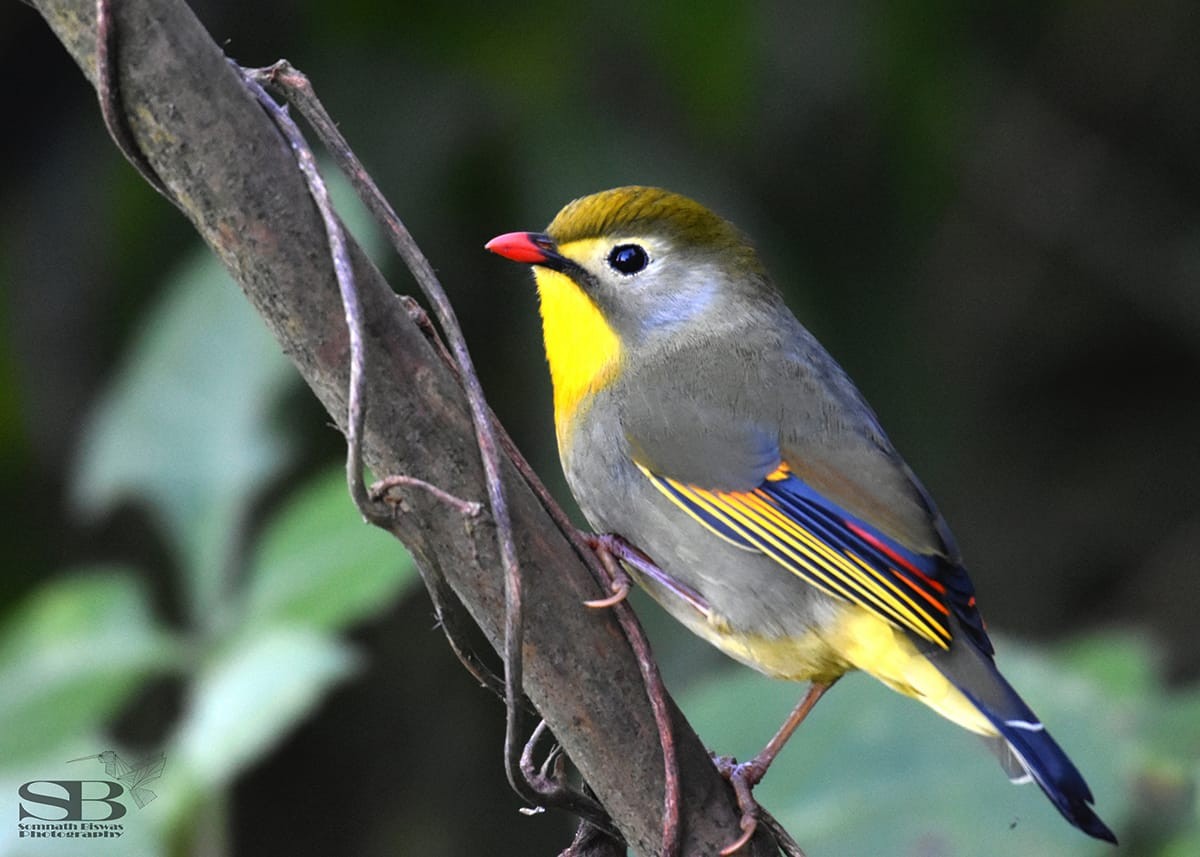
point(657, 693)
point(451, 618)
point(343, 271)
point(380, 491)
point(551, 785)
point(590, 549)
point(447, 609)
point(586, 548)
point(115, 120)
point(457, 624)
point(300, 93)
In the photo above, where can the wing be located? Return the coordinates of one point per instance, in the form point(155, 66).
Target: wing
point(835, 551)
point(747, 408)
point(774, 449)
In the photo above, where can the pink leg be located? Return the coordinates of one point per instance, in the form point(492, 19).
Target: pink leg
point(746, 776)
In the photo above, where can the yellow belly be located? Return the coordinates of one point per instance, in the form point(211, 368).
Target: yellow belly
point(804, 658)
point(858, 639)
point(878, 648)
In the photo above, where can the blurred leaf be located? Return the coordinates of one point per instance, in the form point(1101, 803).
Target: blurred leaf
point(318, 564)
point(248, 699)
point(871, 772)
point(185, 427)
point(1187, 846)
point(1126, 663)
point(1177, 735)
point(70, 656)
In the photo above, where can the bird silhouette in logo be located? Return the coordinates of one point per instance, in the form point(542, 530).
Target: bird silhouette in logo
point(132, 777)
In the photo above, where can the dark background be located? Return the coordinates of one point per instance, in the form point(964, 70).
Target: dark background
point(989, 214)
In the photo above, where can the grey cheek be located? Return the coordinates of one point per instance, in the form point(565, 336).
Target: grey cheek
point(679, 308)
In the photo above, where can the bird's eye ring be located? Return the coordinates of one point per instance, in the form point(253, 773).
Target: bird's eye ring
point(628, 259)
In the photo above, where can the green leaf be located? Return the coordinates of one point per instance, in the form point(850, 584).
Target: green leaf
point(871, 772)
point(250, 697)
point(1125, 663)
point(1186, 846)
point(317, 564)
point(70, 655)
point(186, 426)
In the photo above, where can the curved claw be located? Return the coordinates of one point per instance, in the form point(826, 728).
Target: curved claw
point(749, 825)
point(743, 778)
point(620, 593)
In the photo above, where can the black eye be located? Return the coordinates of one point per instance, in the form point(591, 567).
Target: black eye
point(628, 259)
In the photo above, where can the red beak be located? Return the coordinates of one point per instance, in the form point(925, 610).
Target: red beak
point(532, 248)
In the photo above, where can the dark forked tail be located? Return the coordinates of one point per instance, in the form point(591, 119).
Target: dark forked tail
point(1024, 746)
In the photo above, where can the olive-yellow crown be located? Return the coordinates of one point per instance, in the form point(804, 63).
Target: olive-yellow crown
point(634, 210)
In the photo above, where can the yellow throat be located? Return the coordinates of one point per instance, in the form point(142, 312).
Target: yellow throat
point(584, 353)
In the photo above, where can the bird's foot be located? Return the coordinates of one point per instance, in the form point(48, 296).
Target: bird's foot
point(613, 550)
point(619, 583)
point(743, 777)
point(620, 591)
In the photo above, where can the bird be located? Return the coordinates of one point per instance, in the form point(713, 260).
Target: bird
point(749, 487)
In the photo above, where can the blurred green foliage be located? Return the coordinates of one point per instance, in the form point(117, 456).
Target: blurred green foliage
point(71, 655)
point(188, 431)
point(990, 214)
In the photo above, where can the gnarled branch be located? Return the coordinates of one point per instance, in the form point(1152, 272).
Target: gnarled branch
point(228, 169)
